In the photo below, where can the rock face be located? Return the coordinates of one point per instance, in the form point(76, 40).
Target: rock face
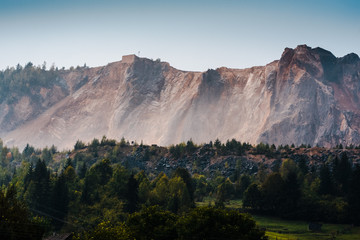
point(309, 96)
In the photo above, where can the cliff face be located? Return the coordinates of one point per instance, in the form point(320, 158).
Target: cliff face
point(315, 99)
point(308, 96)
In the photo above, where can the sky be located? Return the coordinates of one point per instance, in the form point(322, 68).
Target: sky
point(190, 35)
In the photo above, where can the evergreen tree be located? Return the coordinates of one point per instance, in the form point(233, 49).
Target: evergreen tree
point(253, 197)
point(15, 219)
point(46, 155)
point(82, 170)
point(273, 193)
point(242, 184)
point(28, 150)
point(217, 144)
point(59, 201)
point(86, 196)
point(354, 196)
point(119, 182)
point(186, 177)
point(291, 196)
point(224, 193)
point(131, 195)
point(68, 163)
point(342, 172)
point(190, 147)
point(326, 181)
point(29, 176)
point(38, 190)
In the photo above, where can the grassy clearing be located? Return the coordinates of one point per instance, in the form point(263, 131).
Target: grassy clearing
point(280, 229)
point(209, 201)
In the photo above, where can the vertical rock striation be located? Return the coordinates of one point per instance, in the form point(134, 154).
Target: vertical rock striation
point(308, 96)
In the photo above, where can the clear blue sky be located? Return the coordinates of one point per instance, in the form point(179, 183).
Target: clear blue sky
point(190, 35)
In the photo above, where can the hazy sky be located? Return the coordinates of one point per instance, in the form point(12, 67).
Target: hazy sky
point(190, 35)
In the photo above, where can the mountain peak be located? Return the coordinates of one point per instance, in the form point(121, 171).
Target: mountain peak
point(350, 58)
point(302, 47)
point(129, 58)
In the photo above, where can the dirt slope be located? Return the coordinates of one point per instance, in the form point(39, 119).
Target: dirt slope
point(308, 96)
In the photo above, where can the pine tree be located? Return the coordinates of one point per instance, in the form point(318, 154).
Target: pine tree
point(59, 201)
point(354, 195)
point(326, 181)
point(342, 172)
point(131, 196)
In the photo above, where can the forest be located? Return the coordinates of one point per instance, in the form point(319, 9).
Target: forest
point(107, 189)
point(16, 81)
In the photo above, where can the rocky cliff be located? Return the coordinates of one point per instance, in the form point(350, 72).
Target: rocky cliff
point(308, 96)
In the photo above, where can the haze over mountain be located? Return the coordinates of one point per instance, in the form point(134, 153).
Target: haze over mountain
point(308, 96)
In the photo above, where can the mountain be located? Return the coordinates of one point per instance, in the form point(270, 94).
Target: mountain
point(308, 96)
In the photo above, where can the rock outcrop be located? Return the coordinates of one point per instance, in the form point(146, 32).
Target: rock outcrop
point(308, 96)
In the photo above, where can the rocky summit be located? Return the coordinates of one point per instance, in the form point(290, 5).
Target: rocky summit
point(309, 96)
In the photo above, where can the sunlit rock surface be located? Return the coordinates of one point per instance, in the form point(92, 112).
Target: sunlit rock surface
point(308, 96)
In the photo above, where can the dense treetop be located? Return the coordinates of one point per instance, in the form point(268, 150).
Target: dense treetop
point(108, 188)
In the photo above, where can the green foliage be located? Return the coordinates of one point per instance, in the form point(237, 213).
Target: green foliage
point(59, 201)
point(93, 146)
point(326, 181)
point(89, 186)
point(190, 147)
point(95, 178)
point(341, 172)
point(303, 165)
point(272, 191)
point(16, 82)
point(178, 150)
point(123, 142)
point(15, 219)
point(231, 147)
point(153, 223)
point(107, 231)
point(79, 145)
point(242, 184)
point(201, 187)
point(5, 176)
point(46, 155)
point(225, 191)
point(217, 144)
point(179, 198)
point(107, 142)
point(262, 148)
point(292, 194)
point(131, 194)
point(28, 151)
point(118, 182)
point(253, 197)
point(159, 194)
point(288, 166)
point(211, 223)
point(37, 192)
point(354, 195)
point(103, 171)
point(175, 194)
point(186, 177)
point(144, 187)
point(280, 229)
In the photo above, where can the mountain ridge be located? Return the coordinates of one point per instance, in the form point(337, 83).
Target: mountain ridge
point(307, 96)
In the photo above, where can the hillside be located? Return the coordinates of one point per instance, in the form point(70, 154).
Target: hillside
point(229, 159)
point(307, 97)
point(106, 182)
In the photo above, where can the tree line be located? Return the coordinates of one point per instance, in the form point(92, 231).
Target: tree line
point(330, 193)
point(90, 189)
